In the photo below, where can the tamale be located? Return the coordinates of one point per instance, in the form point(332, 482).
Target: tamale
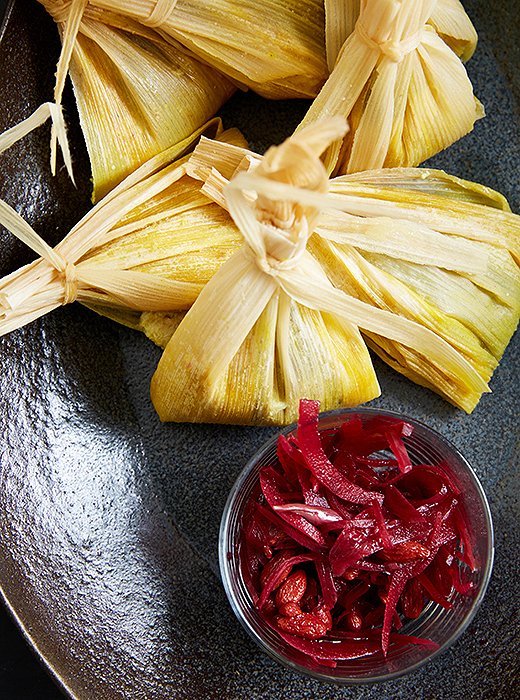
point(275, 47)
point(281, 319)
point(149, 245)
point(136, 93)
point(247, 350)
point(397, 76)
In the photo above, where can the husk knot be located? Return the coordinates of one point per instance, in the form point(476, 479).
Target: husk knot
point(393, 49)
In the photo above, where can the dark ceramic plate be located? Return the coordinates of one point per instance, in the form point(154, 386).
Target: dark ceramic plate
point(109, 520)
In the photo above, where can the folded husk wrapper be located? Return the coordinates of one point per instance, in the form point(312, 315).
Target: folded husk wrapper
point(404, 91)
point(136, 93)
point(149, 245)
point(282, 318)
point(275, 47)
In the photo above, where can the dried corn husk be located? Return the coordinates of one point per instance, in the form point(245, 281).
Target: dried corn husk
point(149, 245)
point(404, 91)
point(275, 47)
point(452, 24)
point(48, 110)
point(136, 93)
point(290, 303)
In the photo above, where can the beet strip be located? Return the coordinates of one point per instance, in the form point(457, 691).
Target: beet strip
point(381, 525)
point(433, 592)
point(275, 498)
point(460, 524)
point(331, 651)
point(328, 589)
point(317, 461)
point(397, 583)
point(290, 531)
point(399, 505)
point(399, 449)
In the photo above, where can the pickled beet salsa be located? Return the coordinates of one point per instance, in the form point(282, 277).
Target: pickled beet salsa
point(344, 539)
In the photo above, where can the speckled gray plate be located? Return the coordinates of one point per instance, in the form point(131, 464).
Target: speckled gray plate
point(109, 520)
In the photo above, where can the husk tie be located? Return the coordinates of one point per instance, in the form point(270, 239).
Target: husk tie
point(392, 49)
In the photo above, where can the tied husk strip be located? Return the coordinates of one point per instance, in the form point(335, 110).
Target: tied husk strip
point(77, 8)
point(195, 377)
point(36, 119)
point(137, 94)
point(401, 239)
point(276, 47)
point(405, 93)
point(86, 264)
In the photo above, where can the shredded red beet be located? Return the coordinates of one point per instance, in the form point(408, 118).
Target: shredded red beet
point(345, 539)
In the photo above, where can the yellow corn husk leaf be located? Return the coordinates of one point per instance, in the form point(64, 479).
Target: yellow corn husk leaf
point(136, 93)
point(149, 245)
point(429, 182)
point(350, 271)
point(275, 47)
point(340, 22)
point(489, 318)
point(436, 200)
point(405, 93)
point(450, 20)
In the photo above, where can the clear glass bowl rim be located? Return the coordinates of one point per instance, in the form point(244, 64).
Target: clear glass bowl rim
point(226, 574)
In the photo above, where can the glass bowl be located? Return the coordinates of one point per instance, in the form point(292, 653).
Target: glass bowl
point(440, 625)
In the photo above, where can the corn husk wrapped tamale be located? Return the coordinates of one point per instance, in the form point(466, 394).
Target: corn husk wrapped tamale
point(136, 93)
point(398, 79)
point(275, 47)
point(283, 317)
point(149, 245)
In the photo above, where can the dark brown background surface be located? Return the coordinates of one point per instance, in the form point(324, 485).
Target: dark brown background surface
point(109, 520)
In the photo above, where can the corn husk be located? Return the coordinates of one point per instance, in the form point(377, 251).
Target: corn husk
point(291, 306)
point(136, 93)
point(149, 245)
point(452, 24)
point(395, 77)
point(46, 111)
point(275, 47)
